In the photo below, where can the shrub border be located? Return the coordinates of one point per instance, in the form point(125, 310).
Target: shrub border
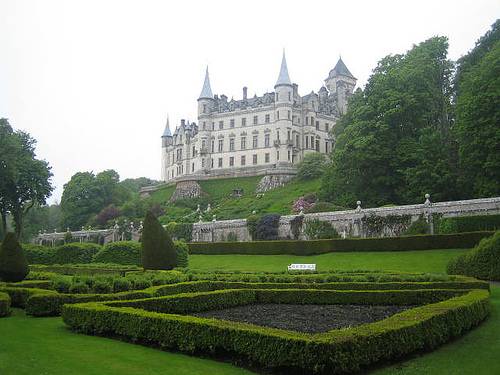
point(336, 351)
point(4, 304)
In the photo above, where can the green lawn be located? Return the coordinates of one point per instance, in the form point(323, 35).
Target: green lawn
point(44, 346)
point(432, 261)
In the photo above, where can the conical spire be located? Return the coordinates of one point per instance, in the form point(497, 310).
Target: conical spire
point(166, 132)
point(283, 78)
point(206, 91)
point(340, 69)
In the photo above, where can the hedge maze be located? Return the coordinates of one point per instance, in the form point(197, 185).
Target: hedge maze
point(162, 316)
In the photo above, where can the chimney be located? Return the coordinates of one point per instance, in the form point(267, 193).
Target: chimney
point(245, 93)
point(183, 122)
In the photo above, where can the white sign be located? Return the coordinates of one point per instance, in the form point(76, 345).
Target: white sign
point(302, 267)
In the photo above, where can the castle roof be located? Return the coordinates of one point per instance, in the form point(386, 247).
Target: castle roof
point(166, 132)
point(340, 69)
point(283, 78)
point(206, 91)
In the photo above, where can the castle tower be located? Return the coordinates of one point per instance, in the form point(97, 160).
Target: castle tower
point(206, 104)
point(166, 143)
point(283, 115)
point(206, 99)
point(341, 82)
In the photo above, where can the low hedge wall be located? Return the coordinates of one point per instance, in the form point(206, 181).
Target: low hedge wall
point(85, 269)
point(19, 296)
point(404, 243)
point(468, 223)
point(122, 252)
point(4, 304)
point(39, 284)
point(337, 351)
point(50, 304)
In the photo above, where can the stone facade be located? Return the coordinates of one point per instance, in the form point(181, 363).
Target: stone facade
point(353, 223)
point(256, 135)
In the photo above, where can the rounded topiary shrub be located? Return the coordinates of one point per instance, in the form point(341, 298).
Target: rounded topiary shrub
point(121, 252)
point(75, 253)
point(482, 262)
point(13, 263)
point(158, 250)
point(182, 252)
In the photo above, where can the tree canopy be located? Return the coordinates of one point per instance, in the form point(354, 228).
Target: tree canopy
point(394, 145)
point(24, 179)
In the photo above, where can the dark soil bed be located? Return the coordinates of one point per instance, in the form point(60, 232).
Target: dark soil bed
point(305, 318)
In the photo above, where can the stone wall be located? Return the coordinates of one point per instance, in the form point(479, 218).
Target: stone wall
point(356, 223)
point(185, 190)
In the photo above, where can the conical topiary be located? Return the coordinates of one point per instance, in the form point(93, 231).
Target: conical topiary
point(13, 264)
point(158, 251)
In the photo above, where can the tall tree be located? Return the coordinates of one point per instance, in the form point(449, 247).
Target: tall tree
point(384, 143)
point(25, 180)
point(478, 116)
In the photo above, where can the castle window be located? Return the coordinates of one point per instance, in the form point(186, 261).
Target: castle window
point(204, 125)
point(204, 108)
point(243, 143)
point(288, 137)
point(277, 155)
point(221, 125)
point(213, 146)
point(203, 143)
point(267, 157)
point(326, 147)
point(203, 163)
point(266, 140)
point(317, 125)
point(220, 162)
point(297, 143)
point(231, 161)
point(278, 115)
point(194, 151)
point(231, 144)
point(212, 162)
point(312, 141)
point(255, 120)
point(213, 125)
point(221, 145)
point(243, 160)
point(288, 115)
point(231, 123)
point(192, 167)
point(254, 159)
point(307, 120)
point(288, 155)
point(268, 118)
point(244, 121)
point(254, 141)
point(312, 121)
point(289, 96)
point(278, 134)
point(317, 145)
point(327, 127)
point(307, 141)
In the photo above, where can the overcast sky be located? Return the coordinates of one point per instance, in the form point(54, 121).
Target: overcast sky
point(93, 81)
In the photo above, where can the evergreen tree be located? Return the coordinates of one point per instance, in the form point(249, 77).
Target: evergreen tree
point(13, 264)
point(158, 250)
point(394, 145)
point(478, 117)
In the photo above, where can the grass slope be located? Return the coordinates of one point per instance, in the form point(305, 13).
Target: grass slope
point(44, 346)
point(432, 261)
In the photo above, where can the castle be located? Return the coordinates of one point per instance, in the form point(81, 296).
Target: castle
point(259, 135)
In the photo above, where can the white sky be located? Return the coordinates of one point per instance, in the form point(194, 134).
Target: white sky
point(93, 81)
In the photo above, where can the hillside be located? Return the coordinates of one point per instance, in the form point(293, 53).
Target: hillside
point(225, 206)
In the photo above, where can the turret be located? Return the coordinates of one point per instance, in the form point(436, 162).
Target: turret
point(341, 82)
point(283, 86)
point(166, 138)
point(284, 91)
point(206, 99)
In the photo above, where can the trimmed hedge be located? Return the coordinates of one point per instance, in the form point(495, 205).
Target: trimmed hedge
point(482, 262)
point(4, 304)
point(85, 269)
point(19, 296)
point(333, 352)
point(38, 254)
point(122, 252)
point(75, 253)
point(469, 224)
point(404, 243)
point(43, 304)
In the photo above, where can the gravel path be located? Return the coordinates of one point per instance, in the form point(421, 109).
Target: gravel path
point(305, 318)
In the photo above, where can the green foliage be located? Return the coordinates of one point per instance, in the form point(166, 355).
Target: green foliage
point(267, 227)
point(419, 226)
point(393, 144)
point(182, 253)
point(319, 229)
point(376, 225)
point(468, 224)
point(312, 166)
point(180, 231)
point(296, 226)
point(478, 116)
point(121, 252)
point(482, 262)
point(252, 222)
point(121, 285)
point(4, 304)
point(24, 180)
point(405, 243)
point(158, 250)
point(415, 330)
point(79, 288)
point(13, 264)
point(75, 253)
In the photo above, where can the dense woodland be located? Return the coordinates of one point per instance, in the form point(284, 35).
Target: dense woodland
point(422, 124)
